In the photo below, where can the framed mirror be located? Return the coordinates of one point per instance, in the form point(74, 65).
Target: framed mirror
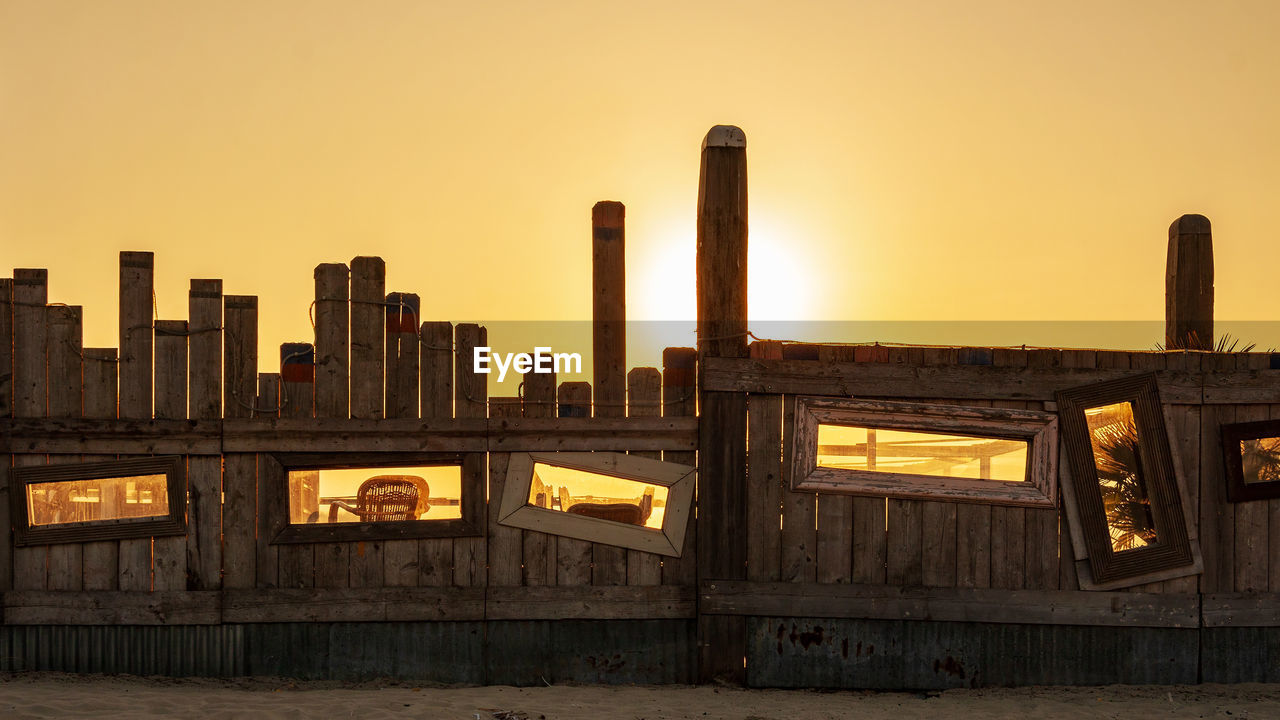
point(1251, 452)
point(1125, 507)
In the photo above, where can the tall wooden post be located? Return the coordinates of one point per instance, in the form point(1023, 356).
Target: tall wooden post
point(1188, 285)
point(609, 350)
point(722, 427)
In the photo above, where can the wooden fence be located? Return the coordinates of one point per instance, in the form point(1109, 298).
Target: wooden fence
point(808, 588)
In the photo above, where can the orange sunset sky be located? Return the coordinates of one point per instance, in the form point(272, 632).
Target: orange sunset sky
point(909, 161)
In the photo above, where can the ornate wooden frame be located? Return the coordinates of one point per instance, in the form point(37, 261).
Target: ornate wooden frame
point(1098, 566)
point(1232, 436)
point(275, 471)
point(1039, 429)
point(678, 479)
point(173, 467)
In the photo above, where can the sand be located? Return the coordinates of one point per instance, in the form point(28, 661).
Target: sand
point(51, 695)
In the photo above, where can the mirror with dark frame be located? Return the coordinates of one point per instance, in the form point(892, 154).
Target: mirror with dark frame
point(1122, 494)
point(1251, 452)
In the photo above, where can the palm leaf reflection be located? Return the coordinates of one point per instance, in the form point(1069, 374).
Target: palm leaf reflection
point(1121, 478)
point(1261, 460)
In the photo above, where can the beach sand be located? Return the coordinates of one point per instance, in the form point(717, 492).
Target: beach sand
point(53, 695)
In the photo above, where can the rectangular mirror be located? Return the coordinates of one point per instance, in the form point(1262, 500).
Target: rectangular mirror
point(375, 494)
point(625, 500)
point(924, 451)
point(1251, 452)
point(93, 501)
point(1124, 503)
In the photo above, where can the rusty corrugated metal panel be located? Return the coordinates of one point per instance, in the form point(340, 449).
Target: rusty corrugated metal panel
point(173, 650)
point(446, 652)
point(892, 655)
point(531, 652)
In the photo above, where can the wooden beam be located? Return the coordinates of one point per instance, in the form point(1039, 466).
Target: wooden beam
point(75, 436)
point(401, 604)
point(977, 382)
point(888, 602)
point(36, 607)
point(1241, 610)
point(630, 602)
point(1188, 285)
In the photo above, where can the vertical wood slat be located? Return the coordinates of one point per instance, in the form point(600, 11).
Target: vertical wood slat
point(765, 492)
point(30, 398)
point(835, 511)
point(400, 557)
point(240, 470)
point(644, 399)
point(471, 400)
point(609, 351)
point(332, 393)
point(680, 399)
point(938, 546)
point(1067, 579)
point(504, 550)
point(1041, 544)
point(1185, 443)
point(368, 364)
point(1273, 528)
point(296, 562)
point(204, 402)
point(6, 410)
point(799, 514)
point(66, 560)
point(573, 557)
point(267, 556)
point(435, 555)
point(1217, 515)
point(137, 293)
point(101, 378)
point(169, 553)
point(1251, 522)
point(539, 549)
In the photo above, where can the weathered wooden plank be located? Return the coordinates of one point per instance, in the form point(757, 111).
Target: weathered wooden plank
point(1273, 529)
point(983, 382)
point(722, 430)
point(6, 410)
point(799, 515)
point(471, 395)
point(973, 545)
point(1217, 515)
point(30, 387)
point(100, 367)
point(573, 557)
point(66, 560)
point(435, 555)
point(400, 557)
point(587, 434)
point(679, 400)
point(870, 542)
point(1052, 607)
point(938, 544)
point(644, 399)
point(765, 492)
point(399, 604)
point(604, 603)
point(239, 475)
point(835, 511)
point(204, 402)
point(1252, 543)
point(333, 357)
point(112, 608)
point(137, 290)
point(505, 552)
point(94, 436)
point(368, 362)
point(905, 528)
point(539, 549)
point(169, 553)
point(609, 350)
point(1241, 609)
point(270, 403)
point(297, 562)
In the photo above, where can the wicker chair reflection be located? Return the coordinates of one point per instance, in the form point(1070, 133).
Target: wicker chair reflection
point(628, 513)
point(386, 497)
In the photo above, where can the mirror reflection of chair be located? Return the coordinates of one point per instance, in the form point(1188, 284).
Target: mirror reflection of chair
point(386, 498)
point(628, 513)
